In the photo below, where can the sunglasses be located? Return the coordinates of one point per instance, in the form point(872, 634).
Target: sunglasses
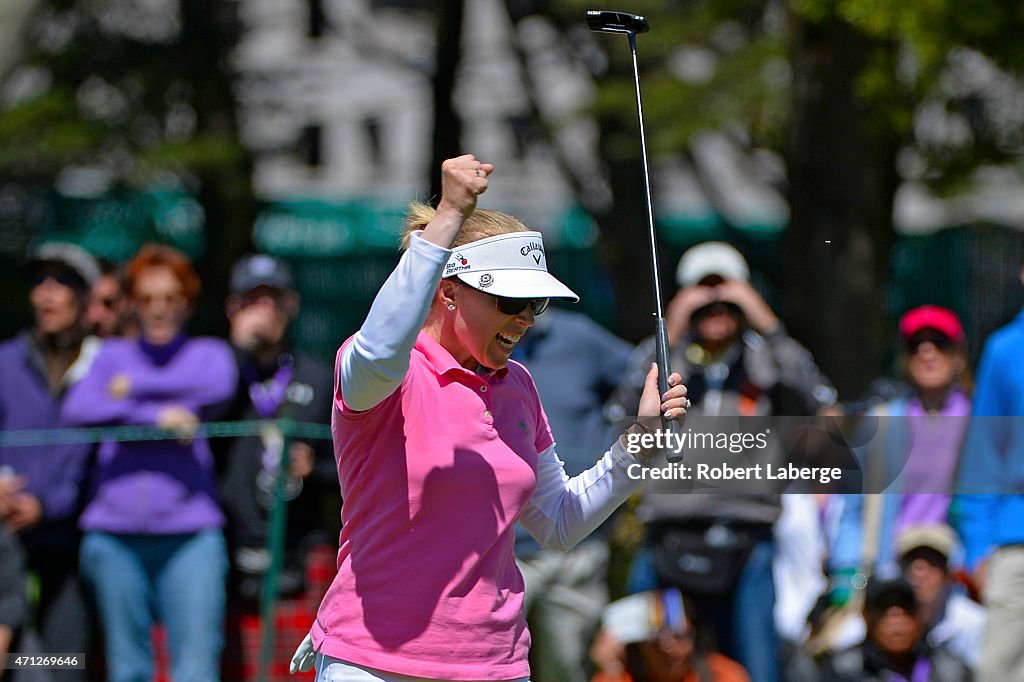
point(176, 300)
point(514, 306)
point(940, 341)
point(717, 308)
point(64, 278)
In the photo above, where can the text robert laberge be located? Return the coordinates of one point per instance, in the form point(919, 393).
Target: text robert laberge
point(728, 472)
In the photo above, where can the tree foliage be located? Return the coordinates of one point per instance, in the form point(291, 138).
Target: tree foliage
point(855, 95)
point(139, 95)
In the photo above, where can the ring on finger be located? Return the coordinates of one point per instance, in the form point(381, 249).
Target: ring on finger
point(476, 171)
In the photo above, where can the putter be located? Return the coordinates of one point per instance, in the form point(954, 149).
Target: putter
point(603, 21)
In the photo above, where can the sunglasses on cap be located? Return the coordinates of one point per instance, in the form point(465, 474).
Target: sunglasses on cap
point(937, 339)
point(514, 306)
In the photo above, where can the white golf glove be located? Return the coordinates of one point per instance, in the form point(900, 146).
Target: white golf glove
point(304, 657)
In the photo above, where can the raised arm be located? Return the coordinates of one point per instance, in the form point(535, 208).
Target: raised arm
point(565, 510)
point(373, 365)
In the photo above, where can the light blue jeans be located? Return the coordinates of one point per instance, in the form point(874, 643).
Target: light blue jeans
point(179, 579)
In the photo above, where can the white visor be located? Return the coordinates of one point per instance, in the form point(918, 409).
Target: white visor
point(511, 265)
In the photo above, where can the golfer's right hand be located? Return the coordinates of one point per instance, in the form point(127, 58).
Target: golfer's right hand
point(463, 179)
point(304, 656)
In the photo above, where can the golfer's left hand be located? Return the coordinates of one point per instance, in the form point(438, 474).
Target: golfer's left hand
point(304, 656)
point(673, 404)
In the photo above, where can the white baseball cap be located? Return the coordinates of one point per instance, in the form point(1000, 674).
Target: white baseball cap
point(71, 256)
point(937, 536)
point(512, 265)
point(711, 258)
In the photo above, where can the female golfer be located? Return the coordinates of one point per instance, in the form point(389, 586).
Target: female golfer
point(442, 445)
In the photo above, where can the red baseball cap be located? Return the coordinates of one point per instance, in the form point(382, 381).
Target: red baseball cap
point(942, 320)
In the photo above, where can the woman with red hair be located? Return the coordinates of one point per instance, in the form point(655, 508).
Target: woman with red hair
point(153, 539)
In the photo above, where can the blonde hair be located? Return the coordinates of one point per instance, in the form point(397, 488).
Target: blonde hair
point(481, 224)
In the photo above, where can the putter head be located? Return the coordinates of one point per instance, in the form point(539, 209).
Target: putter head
point(605, 21)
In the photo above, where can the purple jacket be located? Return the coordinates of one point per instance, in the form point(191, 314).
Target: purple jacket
point(153, 487)
point(55, 473)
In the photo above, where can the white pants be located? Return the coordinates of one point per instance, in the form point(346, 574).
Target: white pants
point(334, 670)
point(1002, 651)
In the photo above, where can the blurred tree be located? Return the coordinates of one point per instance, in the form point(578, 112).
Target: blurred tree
point(112, 94)
point(447, 137)
point(856, 95)
point(883, 92)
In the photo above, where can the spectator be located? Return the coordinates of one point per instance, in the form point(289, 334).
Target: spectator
point(895, 647)
point(736, 359)
point(658, 643)
point(274, 381)
point(40, 496)
point(990, 512)
point(153, 539)
point(916, 442)
point(107, 312)
point(951, 620)
point(12, 592)
point(800, 553)
point(576, 364)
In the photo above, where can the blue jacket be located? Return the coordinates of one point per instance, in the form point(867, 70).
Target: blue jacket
point(55, 473)
point(989, 511)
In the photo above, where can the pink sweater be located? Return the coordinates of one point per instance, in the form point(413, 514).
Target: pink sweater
point(433, 480)
point(436, 464)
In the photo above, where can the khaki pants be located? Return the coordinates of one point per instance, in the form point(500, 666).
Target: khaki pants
point(565, 594)
point(1002, 654)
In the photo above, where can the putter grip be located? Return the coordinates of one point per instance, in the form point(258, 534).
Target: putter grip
point(664, 370)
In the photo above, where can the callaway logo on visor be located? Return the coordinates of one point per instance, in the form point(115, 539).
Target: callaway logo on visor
point(511, 265)
point(530, 248)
